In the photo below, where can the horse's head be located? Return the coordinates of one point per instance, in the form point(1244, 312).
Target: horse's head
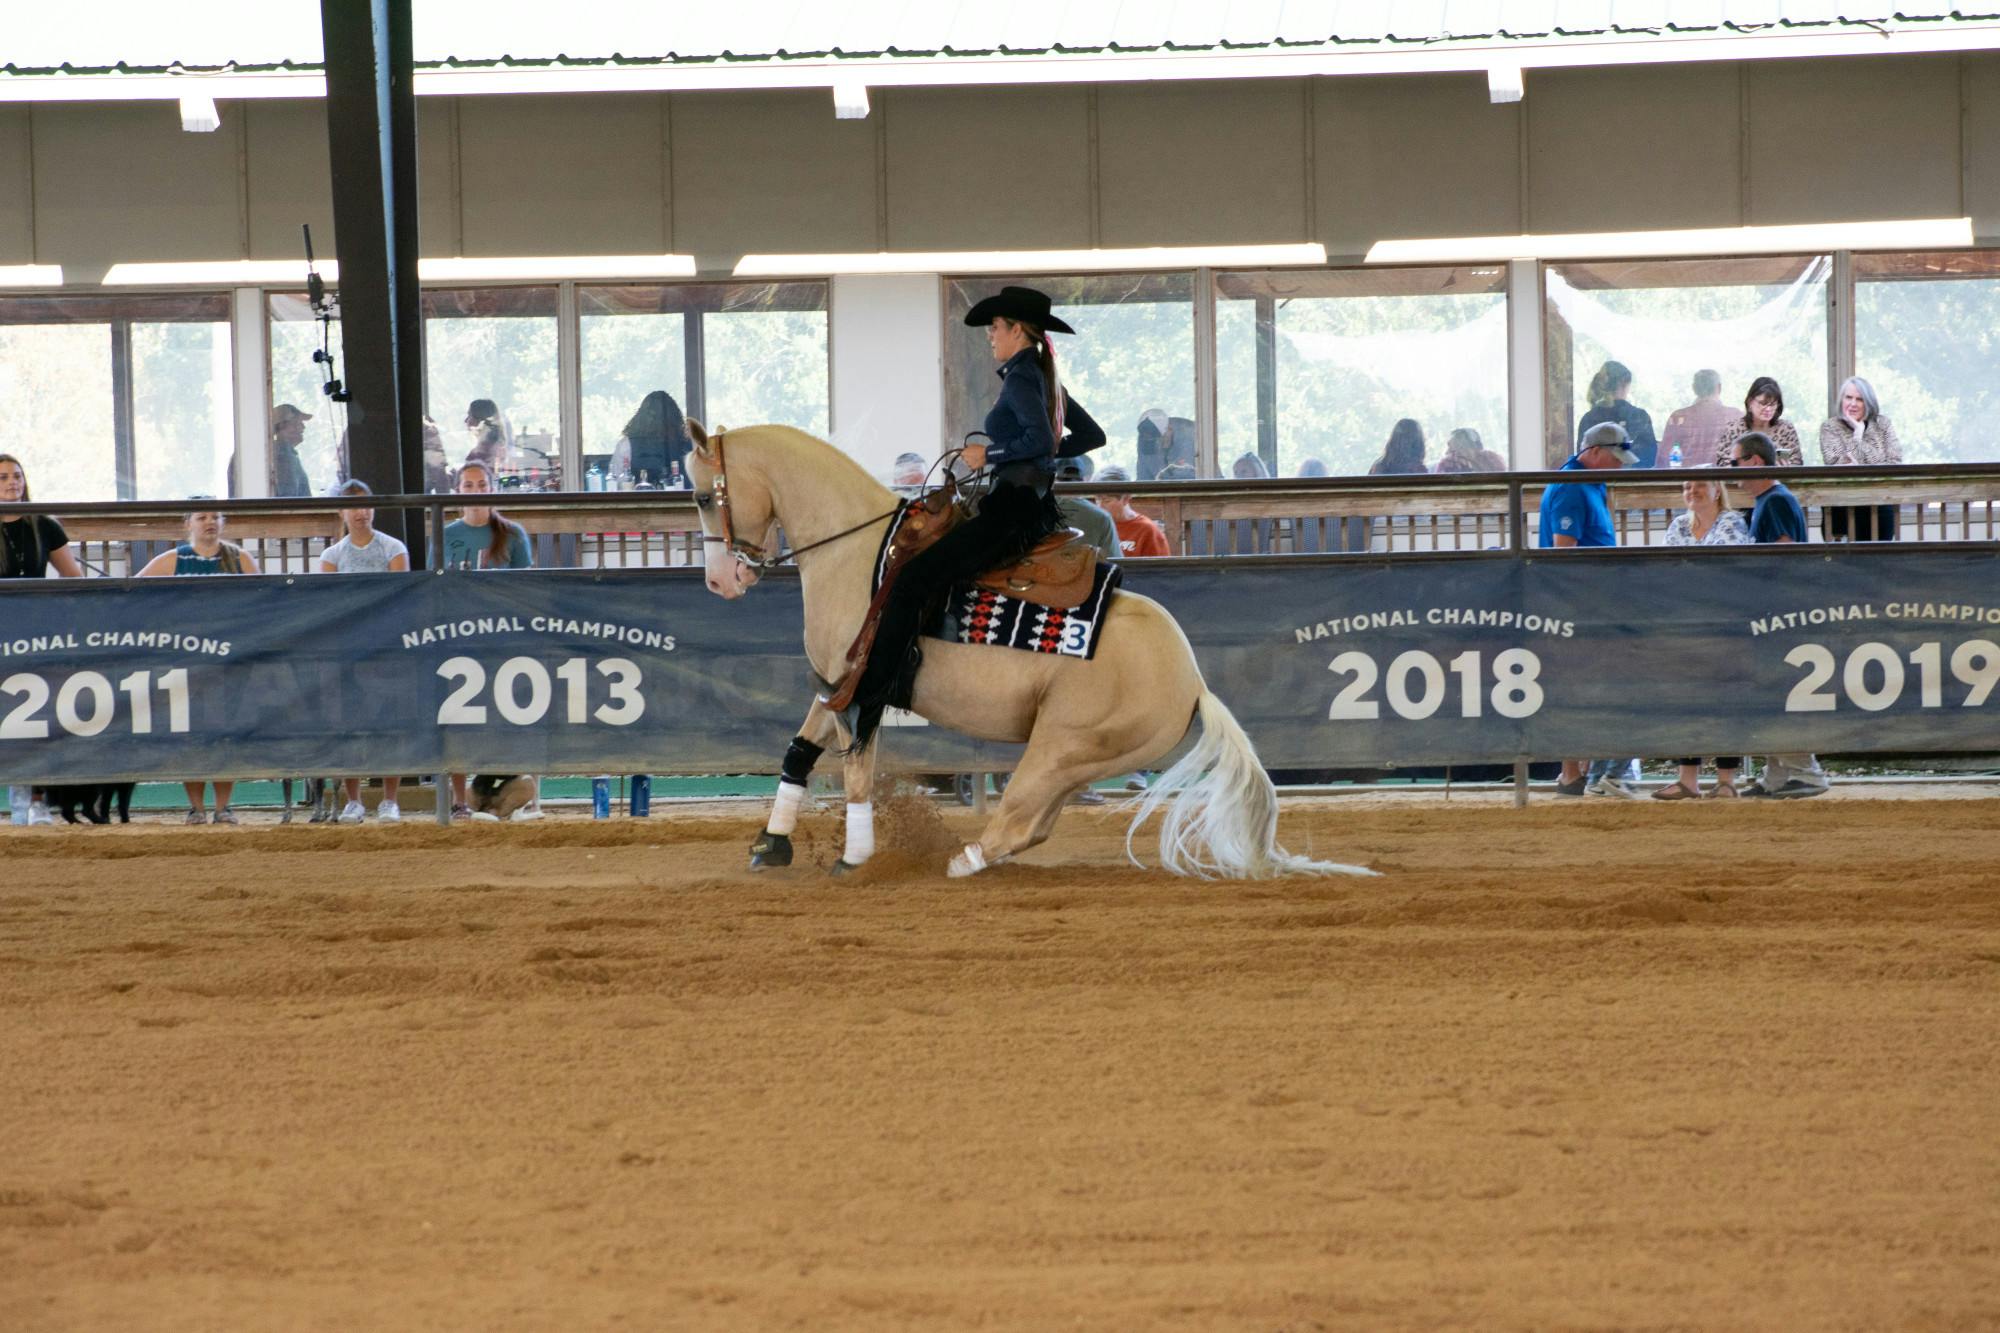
point(738, 523)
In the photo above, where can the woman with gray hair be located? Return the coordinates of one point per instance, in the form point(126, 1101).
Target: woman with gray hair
point(1859, 434)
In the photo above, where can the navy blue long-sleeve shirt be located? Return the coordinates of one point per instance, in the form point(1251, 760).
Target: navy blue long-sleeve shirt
point(1018, 424)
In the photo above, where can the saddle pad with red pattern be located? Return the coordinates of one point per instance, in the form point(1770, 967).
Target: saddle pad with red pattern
point(980, 616)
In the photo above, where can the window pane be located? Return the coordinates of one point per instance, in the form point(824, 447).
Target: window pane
point(1924, 338)
point(1133, 354)
point(183, 424)
point(55, 409)
point(62, 362)
point(1668, 320)
point(760, 350)
point(1319, 366)
point(296, 379)
point(496, 345)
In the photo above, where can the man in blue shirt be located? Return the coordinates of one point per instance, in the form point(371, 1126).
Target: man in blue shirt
point(1778, 518)
point(1579, 514)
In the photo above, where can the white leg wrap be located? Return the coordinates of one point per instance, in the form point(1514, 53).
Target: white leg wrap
point(785, 809)
point(968, 862)
point(860, 843)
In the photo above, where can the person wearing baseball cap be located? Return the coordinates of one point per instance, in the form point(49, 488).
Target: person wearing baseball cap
point(288, 430)
point(1579, 514)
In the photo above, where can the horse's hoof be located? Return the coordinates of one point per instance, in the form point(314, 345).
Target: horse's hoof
point(968, 862)
point(770, 850)
point(842, 868)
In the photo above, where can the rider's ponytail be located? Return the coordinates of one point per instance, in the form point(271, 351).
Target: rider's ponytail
point(1045, 356)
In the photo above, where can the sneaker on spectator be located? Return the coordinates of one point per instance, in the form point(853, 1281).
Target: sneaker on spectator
point(196, 815)
point(461, 812)
point(388, 813)
point(1610, 786)
point(352, 813)
point(1575, 788)
point(1798, 789)
point(526, 813)
point(1089, 796)
point(223, 815)
point(1138, 782)
point(38, 813)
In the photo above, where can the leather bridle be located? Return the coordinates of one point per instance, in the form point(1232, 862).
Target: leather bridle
point(750, 553)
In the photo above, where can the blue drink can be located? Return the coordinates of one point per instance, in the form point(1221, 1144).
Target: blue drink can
point(642, 795)
point(600, 798)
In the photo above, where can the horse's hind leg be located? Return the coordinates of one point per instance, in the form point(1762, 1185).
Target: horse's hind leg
point(1046, 778)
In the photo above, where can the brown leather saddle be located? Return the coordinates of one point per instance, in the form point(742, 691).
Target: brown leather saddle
point(1059, 572)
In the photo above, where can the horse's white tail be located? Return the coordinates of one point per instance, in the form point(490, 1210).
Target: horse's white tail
point(1221, 819)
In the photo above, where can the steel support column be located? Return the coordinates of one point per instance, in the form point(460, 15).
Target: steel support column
point(371, 121)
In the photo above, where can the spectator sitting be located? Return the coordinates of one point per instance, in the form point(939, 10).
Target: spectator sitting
point(30, 546)
point(489, 448)
point(1763, 411)
point(1466, 452)
point(480, 538)
point(1314, 467)
point(655, 444)
point(1248, 467)
point(1137, 534)
point(1610, 391)
point(1579, 514)
point(437, 467)
point(1860, 435)
point(204, 552)
point(1403, 454)
point(1163, 440)
point(1177, 472)
point(362, 550)
point(908, 472)
point(1706, 522)
point(1696, 430)
point(1778, 518)
point(1095, 525)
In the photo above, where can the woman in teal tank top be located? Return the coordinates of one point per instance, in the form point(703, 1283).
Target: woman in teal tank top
point(204, 552)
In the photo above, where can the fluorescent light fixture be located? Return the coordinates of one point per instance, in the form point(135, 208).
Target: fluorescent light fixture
point(850, 99)
point(1032, 261)
point(199, 116)
point(217, 273)
point(1904, 234)
point(1503, 83)
point(30, 275)
point(555, 267)
point(292, 272)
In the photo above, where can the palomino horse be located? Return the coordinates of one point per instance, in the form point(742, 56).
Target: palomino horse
point(1082, 719)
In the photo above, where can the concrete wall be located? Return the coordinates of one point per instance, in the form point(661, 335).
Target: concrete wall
point(1343, 161)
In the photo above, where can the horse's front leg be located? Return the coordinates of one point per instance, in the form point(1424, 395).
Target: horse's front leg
point(774, 845)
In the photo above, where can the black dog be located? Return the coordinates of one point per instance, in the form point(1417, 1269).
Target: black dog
point(95, 800)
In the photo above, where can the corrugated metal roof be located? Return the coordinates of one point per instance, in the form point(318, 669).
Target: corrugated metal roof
point(143, 37)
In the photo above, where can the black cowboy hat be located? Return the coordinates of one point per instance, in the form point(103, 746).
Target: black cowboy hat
point(1024, 305)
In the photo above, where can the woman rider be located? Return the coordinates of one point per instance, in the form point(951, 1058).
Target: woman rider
point(1033, 422)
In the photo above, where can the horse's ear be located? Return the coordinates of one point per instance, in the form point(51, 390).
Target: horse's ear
point(700, 438)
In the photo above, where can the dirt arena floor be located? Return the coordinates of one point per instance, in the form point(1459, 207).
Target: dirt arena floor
point(1585, 1066)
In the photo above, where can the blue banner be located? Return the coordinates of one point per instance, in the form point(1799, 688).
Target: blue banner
point(1328, 663)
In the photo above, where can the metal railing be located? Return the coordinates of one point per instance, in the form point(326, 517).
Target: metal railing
point(1362, 516)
